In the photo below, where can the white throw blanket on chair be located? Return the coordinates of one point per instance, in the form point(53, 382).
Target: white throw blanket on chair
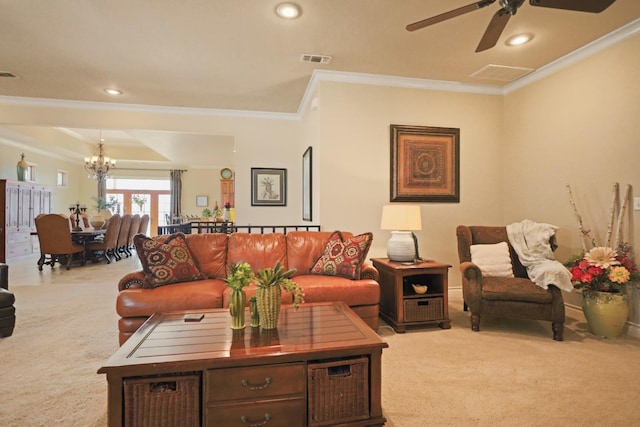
point(530, 240)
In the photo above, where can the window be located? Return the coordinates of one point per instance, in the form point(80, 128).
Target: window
point(63, 178)
point(30, 173)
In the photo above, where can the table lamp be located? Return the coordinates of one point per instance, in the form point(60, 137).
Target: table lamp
point(402, 220)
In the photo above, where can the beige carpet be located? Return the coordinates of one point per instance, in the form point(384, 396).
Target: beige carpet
point(511, 373)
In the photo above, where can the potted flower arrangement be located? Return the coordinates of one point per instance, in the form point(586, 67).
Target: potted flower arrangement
point(602, 274)
point(271, 282)
point(139, 200)
point(241, 275)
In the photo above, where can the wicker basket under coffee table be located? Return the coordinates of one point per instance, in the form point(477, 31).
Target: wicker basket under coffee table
point(401, 306)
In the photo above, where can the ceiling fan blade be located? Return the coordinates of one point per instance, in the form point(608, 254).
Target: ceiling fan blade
point(448, 15)
point(494, 30)
point(593, 6)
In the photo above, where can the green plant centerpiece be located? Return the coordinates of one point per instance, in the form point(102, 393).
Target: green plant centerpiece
point(241, 275)
point(271, 282)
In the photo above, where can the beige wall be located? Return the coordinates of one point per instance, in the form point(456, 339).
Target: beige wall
point(518, 151)
point(580, 127)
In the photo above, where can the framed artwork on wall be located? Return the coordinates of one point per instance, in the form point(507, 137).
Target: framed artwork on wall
point(268, 187)
point(425, 164)
point(306, 185)
point(202, 201)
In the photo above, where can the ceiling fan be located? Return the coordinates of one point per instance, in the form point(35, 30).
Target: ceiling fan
point(509, 8)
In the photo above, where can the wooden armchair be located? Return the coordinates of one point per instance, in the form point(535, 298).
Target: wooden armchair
point(56, 244)
point(510, 297)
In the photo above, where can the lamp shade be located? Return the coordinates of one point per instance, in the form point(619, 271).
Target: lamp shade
point(402, 219)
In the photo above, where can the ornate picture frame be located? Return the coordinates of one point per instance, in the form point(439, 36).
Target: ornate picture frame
point(307, 181)
point(268, 187)
point(425, 164)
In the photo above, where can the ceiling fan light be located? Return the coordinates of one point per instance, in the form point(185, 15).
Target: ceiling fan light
point(112, 91)
point(288, 10)
point(519, 39)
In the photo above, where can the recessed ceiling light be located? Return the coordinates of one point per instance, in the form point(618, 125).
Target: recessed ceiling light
point(288, 10)
point(113, 91)
point(519, 39)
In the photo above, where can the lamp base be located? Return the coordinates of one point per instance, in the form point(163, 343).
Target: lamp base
point(401, 247)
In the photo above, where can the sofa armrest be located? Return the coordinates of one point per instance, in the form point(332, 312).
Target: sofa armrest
point(368, 271)
point(132, 280)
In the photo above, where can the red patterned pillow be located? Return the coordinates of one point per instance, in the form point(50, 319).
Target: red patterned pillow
point(166, 262)
point(342, 257)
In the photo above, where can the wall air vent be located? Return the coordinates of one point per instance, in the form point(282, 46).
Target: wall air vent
point(318, 59)
point(501, 72)
point(8, 74)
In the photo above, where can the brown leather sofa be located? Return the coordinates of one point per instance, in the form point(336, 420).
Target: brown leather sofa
point(508, 297)
point(214, 253)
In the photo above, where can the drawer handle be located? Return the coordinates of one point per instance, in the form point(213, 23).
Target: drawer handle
point(267, 381)
point(267, 417)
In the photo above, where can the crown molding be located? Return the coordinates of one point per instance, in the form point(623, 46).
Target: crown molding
point(616, 36)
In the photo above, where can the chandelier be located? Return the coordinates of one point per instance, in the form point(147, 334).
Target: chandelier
point(99, 164)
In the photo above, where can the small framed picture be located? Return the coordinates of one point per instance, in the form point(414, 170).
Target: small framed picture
point(268, 187)
point(202, 201)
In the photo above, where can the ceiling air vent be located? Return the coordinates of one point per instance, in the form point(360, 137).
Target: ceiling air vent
point(7, 74)
point(318, 59)
point(501, 72)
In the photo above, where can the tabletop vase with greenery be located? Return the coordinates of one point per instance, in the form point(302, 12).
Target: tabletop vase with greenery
point(241, 275)
point(271, 282)
point(602, 274)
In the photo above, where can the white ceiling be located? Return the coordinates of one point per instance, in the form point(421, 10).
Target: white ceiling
point(237, 55)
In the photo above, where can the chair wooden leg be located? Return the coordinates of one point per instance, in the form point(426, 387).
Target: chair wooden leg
point(41, 262)
point(475, 322)
point(558, 331)
point(69, 259)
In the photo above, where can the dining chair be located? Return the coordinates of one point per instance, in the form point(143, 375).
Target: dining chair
point(123, 236)
point(56, 244)
point(108, 245)
point(133, 230)
point(144, 224)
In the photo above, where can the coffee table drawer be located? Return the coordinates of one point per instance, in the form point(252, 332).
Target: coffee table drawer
point(254, 382)
point(274, 413)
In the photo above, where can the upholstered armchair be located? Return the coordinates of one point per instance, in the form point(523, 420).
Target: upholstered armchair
point(507, 297)
point(7, 299)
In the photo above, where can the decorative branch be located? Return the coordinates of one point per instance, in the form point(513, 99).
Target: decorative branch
point(615, 203)
point(623, 208)
point(584, 233)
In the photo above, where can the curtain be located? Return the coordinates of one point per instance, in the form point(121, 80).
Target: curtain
point(176, 194)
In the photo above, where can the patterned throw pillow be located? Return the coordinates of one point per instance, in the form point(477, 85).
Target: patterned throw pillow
point(342, 257)
point(166, 262)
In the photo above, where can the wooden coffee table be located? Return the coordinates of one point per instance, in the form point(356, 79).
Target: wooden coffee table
point(322, 366)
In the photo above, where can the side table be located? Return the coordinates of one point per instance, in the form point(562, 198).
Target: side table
point(401, 306)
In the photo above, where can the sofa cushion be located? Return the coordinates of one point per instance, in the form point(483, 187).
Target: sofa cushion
point(333, 288)
point(258, 250)
point(165, 262)
point(492, 259)
point(305, 247)
point(201, 294)
point(209, 251)
point(343, 257)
